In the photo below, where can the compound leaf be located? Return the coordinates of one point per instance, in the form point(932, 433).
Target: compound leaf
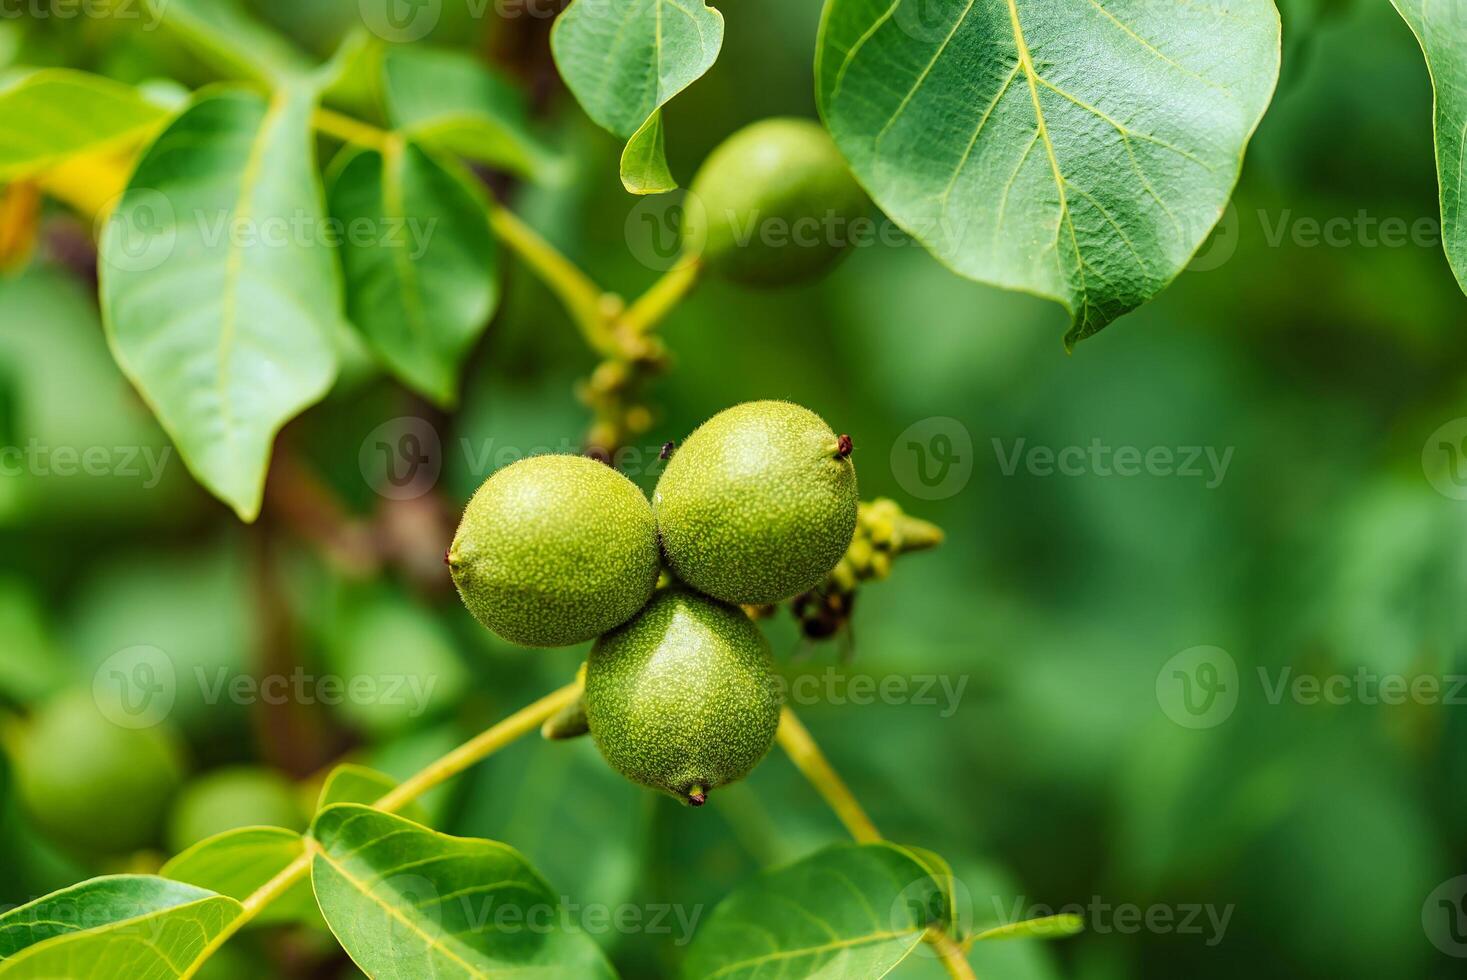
point(219, 283)
point(625, 60)
point(237, 862)
point(1081, 150)
point(419, 262)
point(457, 103)
point(848, 911)
point(54, 114)
point(1442, 33)
point(137, 926)
point(404, 900)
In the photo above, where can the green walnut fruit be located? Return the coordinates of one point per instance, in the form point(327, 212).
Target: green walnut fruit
point(226, 799)
point(758, 504)
point(555, 550)
point(773, 204)
point(683, 698)
point(91, 784)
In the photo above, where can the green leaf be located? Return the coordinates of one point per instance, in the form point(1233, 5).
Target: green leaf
point(139, 926)
point(1047, 927)
point(351, 783)
point(625, 60)
point(459, 104)
point(419, 261)
point(227, 38)
point(848, 911)
point(56, 113)
point(644, 167)
point(1442, 33)
point(404, 900)
point(237, 862)
point(219, 284)
point(1081, 151)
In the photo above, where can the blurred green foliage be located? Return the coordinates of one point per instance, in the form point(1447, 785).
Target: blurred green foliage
point(1056, 600)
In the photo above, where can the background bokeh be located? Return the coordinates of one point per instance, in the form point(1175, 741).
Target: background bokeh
point(1071, 769)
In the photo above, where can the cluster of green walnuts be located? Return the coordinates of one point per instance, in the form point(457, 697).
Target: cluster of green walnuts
point(757, 506)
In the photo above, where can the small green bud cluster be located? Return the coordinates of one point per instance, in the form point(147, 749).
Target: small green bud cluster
point(883, 531)
point(758, 505)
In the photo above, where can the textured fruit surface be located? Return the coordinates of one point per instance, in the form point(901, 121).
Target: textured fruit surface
point(240, 796)
point(758, 504)
point(684, 697)
point(555, 550)
point(93, 785)
point(775, 204)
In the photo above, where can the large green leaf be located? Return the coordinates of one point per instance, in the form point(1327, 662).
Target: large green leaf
point(850, 911)
point(625, 60)
point(219, 284)
point(237, 862)
point(52, 114)
point(1442, 31)
point(138, 926)
point(222, 34)
point(419, 261)
point(455, 102)
point(406, 901)
point(1081, 150)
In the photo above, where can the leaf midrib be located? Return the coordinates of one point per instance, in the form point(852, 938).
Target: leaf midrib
point(1026, 62)
point(234, 258)
point(394, 208)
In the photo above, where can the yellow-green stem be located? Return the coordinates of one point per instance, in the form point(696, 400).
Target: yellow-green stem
point(349, 130)
point(798, 744)
point(951, 956)
point(586, 302)
point(589, 306)
point(661, 298)
point(795, 739)
point(492, 739)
